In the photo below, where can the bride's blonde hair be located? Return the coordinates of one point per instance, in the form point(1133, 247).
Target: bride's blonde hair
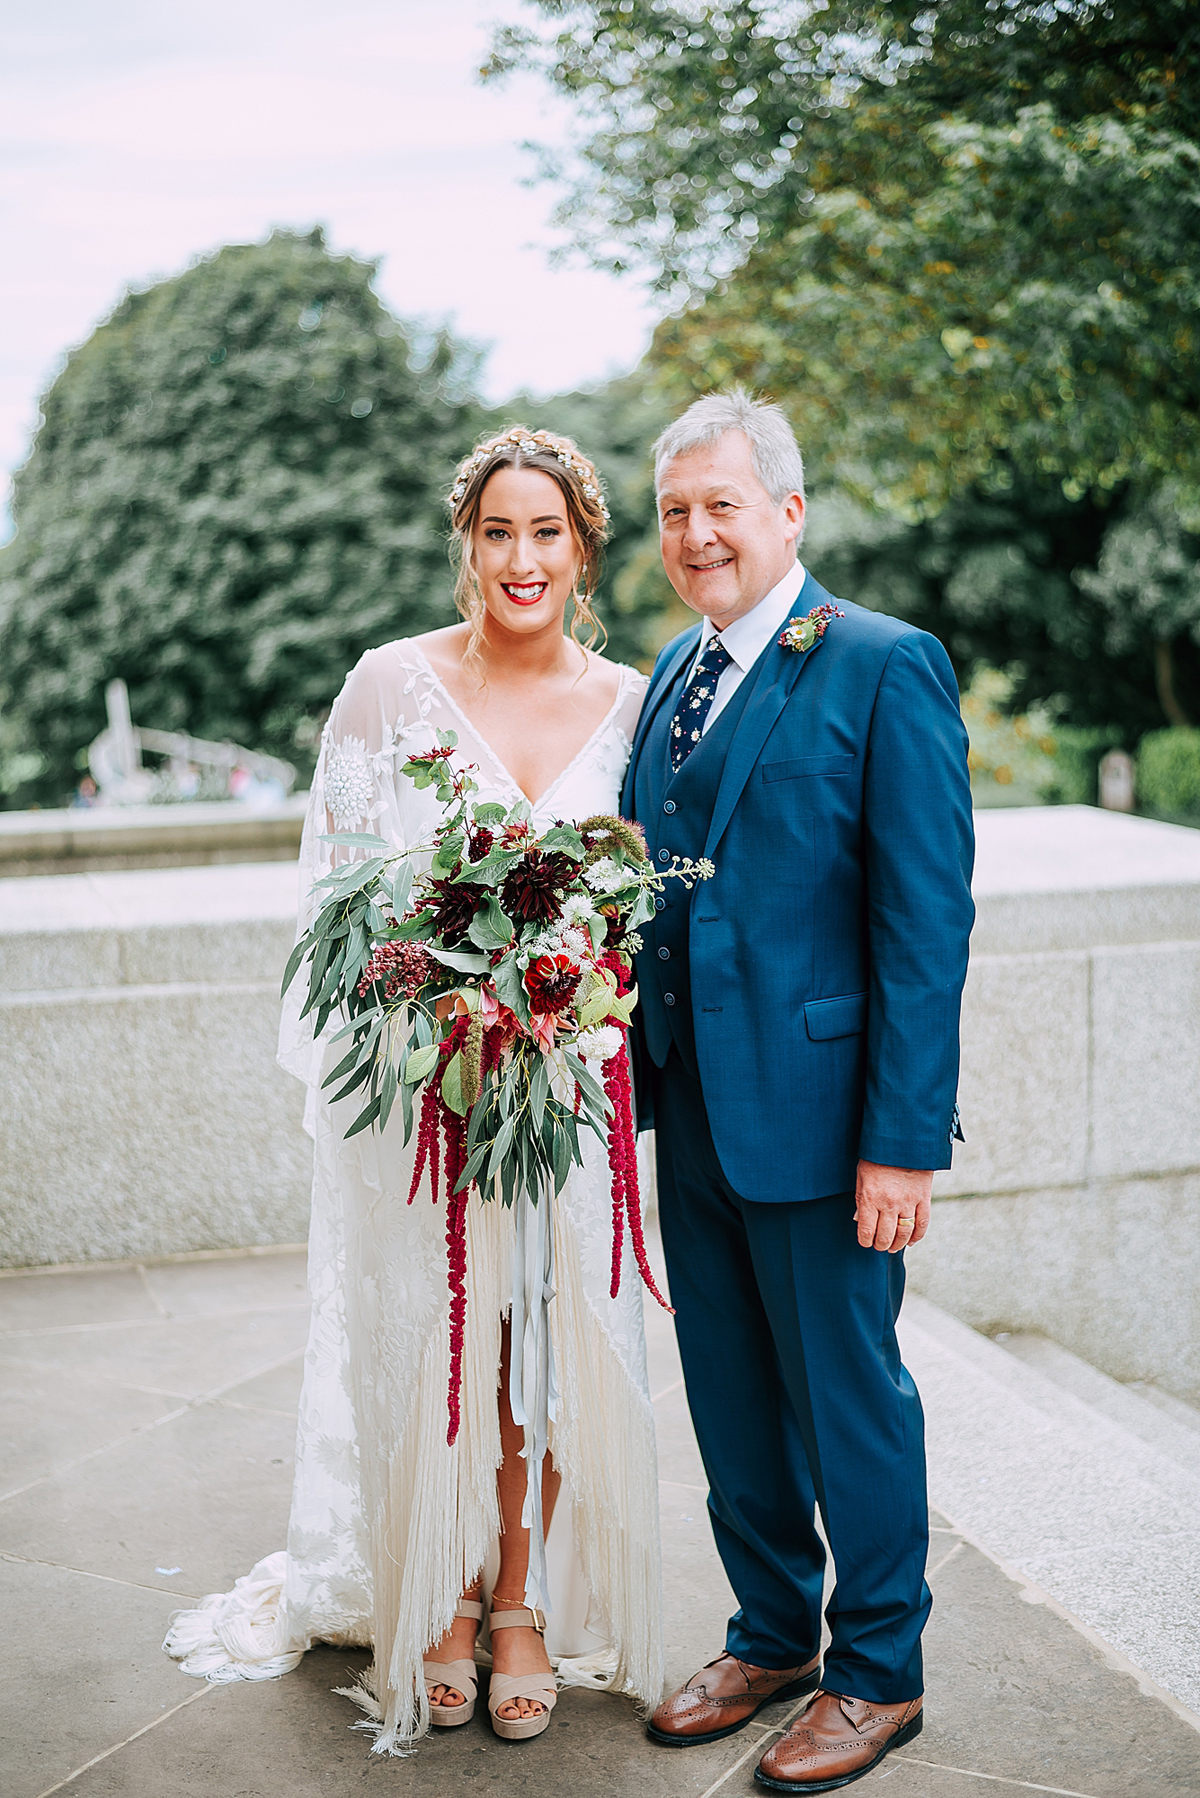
point(587, 516)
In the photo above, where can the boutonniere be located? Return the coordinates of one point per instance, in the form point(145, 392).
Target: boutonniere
point(801, 633)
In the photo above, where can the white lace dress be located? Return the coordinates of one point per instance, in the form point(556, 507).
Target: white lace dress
point(388, 1523)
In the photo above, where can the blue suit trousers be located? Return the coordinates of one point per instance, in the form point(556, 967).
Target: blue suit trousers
point(800, 1402)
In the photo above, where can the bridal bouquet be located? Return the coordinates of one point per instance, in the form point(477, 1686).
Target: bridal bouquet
point(494, 982)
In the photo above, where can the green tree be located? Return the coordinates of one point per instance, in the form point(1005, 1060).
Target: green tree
point(1095, 613)
point(236, 488)
point(1024, 302)
point(962, 244)
point(710, 127)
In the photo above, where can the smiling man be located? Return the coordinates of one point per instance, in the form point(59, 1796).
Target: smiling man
point(799, 1058)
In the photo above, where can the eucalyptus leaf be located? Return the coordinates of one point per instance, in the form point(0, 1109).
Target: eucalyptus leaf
point(358, 875)
point(343, 1067)
point(356, 1080)
point(452, 1085)
point(562, 1159)
point(355, 839)
point(420, 1064)
point(364, 1118)
point(474, 1163)
point(461, 960)
point(409, 928)
point(401, 886)
point(293, 962)
point(387, 1096)
point(539, 1092)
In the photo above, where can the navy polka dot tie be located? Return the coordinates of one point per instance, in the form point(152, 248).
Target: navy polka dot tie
point(687, 726)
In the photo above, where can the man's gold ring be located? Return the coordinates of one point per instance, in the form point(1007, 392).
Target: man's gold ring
point(906, 1220)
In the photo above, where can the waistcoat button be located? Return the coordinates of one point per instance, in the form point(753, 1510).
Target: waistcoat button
point(668, 998)
point(664, 955)
point(659, 904)
point(664, 855)
point(669, 805)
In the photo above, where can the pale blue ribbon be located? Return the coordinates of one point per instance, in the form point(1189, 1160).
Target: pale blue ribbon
point(532, 1391)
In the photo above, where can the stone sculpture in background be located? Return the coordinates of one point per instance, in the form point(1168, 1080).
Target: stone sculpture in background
point(193, 769)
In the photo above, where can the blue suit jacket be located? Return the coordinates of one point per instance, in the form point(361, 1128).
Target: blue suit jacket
point(828, 952)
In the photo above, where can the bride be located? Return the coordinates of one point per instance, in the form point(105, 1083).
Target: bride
point(397, 1540)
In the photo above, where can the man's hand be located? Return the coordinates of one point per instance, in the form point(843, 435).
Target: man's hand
point(891, 1206)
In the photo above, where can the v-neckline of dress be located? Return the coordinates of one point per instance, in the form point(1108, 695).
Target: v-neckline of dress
point(622, 674)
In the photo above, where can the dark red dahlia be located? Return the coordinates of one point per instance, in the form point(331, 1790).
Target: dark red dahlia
point(454, 907)
point(531, 890)
point(479, 843)
point(552, 982)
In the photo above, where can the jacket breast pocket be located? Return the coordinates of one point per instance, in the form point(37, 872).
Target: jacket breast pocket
point(844, 1016)
point(802, 766)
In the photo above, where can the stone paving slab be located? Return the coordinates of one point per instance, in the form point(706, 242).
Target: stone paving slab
point(1019, 1700)
point(1065, 1493)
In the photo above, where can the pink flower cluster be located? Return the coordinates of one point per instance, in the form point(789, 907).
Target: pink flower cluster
point(403, 968)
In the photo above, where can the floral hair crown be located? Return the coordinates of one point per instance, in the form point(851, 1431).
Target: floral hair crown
point(530, 442)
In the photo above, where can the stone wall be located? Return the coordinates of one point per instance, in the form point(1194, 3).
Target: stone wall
point(141, 1111)
point(1074, 1206)
point(78, 841)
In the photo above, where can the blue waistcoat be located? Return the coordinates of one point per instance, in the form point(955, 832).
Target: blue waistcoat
point(683, 814)
point(814, 983)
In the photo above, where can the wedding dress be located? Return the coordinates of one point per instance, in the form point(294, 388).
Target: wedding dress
point(388, 1523)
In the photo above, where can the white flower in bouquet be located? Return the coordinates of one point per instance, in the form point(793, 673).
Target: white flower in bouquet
point(560, 940)
point(578, 909)
point(600, 1043)
point(606, 875)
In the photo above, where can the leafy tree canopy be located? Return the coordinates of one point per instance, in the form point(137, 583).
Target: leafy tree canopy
point(961, 242)
point(1022, 298)
point(1098, 615)
point(713, 125)
point(237, 488)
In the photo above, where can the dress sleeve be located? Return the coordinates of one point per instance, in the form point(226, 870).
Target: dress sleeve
point(632, 700)
point(353, 789)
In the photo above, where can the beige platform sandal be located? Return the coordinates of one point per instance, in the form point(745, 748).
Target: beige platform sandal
point(460, 1676)
point(538, 1688)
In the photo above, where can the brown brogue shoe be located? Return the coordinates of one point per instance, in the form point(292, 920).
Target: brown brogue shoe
point(722, 1698)
point(835, 1741)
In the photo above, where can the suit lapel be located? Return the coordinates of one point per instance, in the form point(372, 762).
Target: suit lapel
point(777, 674)
point(659, 691)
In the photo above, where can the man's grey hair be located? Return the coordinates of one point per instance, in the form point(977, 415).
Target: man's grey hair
point(773, 447)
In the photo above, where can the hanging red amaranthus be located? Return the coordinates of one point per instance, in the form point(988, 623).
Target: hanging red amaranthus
point(440, 1126)
point(455, 1132)
point(622, 1148)
point(622, 1159)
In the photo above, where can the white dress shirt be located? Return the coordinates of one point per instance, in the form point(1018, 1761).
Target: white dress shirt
point(748, 636)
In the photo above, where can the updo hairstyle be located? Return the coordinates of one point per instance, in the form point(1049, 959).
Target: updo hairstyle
point(587, 517)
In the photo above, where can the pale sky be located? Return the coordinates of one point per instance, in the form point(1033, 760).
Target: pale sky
point(138, 134)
